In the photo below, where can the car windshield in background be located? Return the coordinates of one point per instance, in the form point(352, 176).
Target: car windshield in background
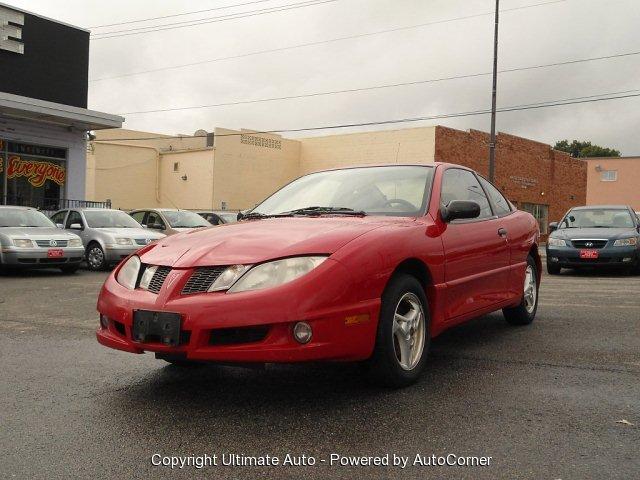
point(598, 218)
point(393, 191)
point(229, 217)
point(184, 219)
point(18, 217)
point(109, 219)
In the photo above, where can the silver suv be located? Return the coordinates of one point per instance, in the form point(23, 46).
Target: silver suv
point(108, 235)
point(28, 239)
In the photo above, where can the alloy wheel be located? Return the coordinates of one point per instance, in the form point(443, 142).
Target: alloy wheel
point(408, 331)
point(530, 290)
point(95, 258)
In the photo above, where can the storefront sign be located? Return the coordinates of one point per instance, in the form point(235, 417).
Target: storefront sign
point(524, 181)
point(36, 150)
point(36, 172)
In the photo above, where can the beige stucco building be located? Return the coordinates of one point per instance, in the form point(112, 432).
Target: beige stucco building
point(614, 180)
point(140, 169)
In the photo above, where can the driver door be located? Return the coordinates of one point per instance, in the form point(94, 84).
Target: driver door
point(476, 250)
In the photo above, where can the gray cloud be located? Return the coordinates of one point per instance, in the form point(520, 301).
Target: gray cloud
point(557, 32)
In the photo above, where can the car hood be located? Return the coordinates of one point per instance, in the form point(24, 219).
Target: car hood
point(36, 233)
point(593, 233)
point(256, 241)
point(131, 232)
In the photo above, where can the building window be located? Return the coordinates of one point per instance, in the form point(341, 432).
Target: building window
point(609, 175)
point(176, 166)
point(540, 213)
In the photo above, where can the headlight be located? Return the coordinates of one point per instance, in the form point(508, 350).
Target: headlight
point(626, 242)
point(556, 242)
point(128, 273)
point(124, 241)
point(276, 273)
point(75, 242)
point(22, 242)
point(228, 277)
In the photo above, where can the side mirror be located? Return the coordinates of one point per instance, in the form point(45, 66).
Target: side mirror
point(460, 209)
point(553, 226)
point(59, 225)
point(240, 215)
point(76, 226)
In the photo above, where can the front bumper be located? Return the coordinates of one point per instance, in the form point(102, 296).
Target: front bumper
point(569, 257)
point(343, 328)
point(117, 253)
point(38, 257)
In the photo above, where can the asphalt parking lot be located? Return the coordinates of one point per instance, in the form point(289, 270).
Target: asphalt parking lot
point(548, 401)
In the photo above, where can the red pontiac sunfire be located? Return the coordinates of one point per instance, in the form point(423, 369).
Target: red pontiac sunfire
point(352, 264)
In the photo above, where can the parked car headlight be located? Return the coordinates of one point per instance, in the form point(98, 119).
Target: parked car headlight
point(124, 241)
point(128, 273)
point(276, 273)
point(75, 242)
point(556, 242)
point(228, 277)
point(22, 242)
point(626, 242)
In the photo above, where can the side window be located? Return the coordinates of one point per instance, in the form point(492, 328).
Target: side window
point(214, 219)
point(154, 219)
point(74, 217)
point(499, 202)
point(58, 218)
point(138, 216)
point(458, 184)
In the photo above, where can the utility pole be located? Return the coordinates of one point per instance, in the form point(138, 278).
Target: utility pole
point(492, 144)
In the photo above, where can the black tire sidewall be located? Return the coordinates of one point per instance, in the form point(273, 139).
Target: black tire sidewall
point(385, 363)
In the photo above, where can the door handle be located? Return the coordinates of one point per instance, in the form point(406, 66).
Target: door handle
point(502, 232)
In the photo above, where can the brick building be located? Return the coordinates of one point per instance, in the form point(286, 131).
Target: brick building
point(240, 168)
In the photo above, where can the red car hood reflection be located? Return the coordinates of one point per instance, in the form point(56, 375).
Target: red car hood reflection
point(256, 241)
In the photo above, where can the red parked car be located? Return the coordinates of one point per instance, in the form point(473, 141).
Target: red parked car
point(352, 264)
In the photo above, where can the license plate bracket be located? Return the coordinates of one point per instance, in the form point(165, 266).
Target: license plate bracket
point(589, 254)
point(55, 253)
point(160, 327)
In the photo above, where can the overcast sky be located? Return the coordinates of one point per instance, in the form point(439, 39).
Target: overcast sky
point(567, 30)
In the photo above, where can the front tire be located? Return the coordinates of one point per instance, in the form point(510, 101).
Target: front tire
point(96, 259)
point(403, 337)
point(553, 269)
point(524, 313)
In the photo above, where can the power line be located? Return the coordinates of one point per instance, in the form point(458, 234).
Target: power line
point(194, 12)
point(530, 106)
point(380, 87)
point(222, 18)
point(322, 42)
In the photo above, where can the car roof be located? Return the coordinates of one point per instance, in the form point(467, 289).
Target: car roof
point(14, 207)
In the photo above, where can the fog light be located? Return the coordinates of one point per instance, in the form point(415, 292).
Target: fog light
point(554, 259)
point(104, 321)
point(302, 332)
point(626, 259)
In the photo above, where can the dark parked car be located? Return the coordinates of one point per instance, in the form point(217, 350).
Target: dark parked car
point(595, 236)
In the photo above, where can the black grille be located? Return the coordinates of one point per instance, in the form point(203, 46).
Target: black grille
point(158, 279)
point(239, 335)
point(202, 279)
point(47, 243)
point(589, 243)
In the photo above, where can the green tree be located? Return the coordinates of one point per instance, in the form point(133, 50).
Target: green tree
point(578, 149)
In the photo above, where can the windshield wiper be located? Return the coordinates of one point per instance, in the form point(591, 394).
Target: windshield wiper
point(327, 210)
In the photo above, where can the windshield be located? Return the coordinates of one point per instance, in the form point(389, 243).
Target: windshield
point(184, 219)
point(393, 190)
point(598, 218)
point(229, 217)
point(109, 219)
point(17, 217)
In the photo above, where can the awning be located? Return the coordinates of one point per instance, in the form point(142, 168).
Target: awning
point(25, 108)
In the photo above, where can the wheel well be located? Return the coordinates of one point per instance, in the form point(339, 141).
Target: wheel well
point(533, 251)
point(415, 268)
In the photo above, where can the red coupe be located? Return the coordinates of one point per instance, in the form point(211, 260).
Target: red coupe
point(355, 264)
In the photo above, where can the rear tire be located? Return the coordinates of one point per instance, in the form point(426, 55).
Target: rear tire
point(524, 313)
point(553, 269)
point(403, 338)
